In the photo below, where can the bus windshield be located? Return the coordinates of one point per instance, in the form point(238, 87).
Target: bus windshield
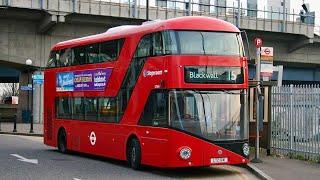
point(213, 115)
point(202, 43)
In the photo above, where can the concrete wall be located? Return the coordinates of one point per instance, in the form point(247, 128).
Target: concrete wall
point(20, 40)
point(7, 111)
point(309, 53)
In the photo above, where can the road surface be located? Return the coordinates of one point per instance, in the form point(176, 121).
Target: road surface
point(26, 157)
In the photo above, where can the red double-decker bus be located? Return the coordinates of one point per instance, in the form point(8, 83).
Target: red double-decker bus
point(169, 93)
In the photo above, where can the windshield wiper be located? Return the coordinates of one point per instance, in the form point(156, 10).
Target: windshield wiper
point(215, 92)
point(230, 92)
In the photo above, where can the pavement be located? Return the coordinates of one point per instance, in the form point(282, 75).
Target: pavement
point(22, 129)
point(26, 157)
point(284, 168)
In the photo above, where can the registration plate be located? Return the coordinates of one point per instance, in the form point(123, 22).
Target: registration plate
point(219, 160)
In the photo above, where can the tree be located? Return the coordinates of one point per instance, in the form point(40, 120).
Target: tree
point(8, 90)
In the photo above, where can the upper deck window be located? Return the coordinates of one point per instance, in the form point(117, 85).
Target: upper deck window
point(110, 50)
point(191, 42)
point(88, 54)
point(65, 57)
point(170, 42)
point(202, 43)
point(145, 47)
point(52, 59)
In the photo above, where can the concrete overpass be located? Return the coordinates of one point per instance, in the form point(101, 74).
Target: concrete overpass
point(29, 28)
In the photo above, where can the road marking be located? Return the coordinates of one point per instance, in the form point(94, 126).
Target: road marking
point(76, 179)
point(23, 159)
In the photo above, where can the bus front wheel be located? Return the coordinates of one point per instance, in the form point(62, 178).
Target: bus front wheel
point(62, 141)
point(134, 154)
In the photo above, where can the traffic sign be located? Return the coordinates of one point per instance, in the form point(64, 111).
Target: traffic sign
point(37, 77)
point(267, 54)
point(258, 42)
point(38, 81)
point(26, 88)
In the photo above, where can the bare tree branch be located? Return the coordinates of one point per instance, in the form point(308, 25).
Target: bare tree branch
point(9, 89)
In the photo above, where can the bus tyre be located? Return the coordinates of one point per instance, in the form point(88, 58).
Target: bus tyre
point(62, 141)
point(134, 154)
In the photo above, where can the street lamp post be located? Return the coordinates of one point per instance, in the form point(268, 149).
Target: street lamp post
point(238, 15)
point(29, 63)
point(147, 10)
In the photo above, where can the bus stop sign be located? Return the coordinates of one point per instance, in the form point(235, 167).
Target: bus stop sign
point(258, 42)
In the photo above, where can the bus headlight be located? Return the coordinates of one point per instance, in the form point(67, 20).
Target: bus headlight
point(185, 153)
point(246, 149)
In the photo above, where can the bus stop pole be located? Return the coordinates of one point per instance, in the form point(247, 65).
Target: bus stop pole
point(147, 10)
point(31, 114)
point(258, 92)
point(189, 8)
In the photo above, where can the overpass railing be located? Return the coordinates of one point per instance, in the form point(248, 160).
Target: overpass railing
point(268, 19)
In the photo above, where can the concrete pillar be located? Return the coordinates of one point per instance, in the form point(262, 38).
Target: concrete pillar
point(47, 23)
point(23, 96)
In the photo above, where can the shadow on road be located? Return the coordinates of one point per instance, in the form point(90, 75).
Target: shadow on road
point(194, 172)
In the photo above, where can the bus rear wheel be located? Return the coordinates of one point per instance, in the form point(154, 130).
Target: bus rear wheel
point(62, 141)
point(134, 154)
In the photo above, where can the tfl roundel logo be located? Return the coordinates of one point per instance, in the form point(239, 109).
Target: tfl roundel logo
point(93, 138)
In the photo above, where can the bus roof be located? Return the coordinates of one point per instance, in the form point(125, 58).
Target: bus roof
point(180, 23)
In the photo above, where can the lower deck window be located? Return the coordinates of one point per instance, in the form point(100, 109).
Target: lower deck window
point(108, 110)
point(102, 109)
point(91, 108)
point(63, 107)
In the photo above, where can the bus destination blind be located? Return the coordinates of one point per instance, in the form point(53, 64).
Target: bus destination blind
point(213, 74)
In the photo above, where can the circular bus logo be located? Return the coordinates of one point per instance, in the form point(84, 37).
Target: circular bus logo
point(92, 138)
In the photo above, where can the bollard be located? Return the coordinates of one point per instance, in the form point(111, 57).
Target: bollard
point(15, 123)
point(31, 124)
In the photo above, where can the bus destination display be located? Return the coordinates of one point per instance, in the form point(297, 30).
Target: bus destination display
point(210, 74)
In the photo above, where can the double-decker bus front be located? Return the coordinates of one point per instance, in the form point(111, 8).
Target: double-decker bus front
point(198, 107)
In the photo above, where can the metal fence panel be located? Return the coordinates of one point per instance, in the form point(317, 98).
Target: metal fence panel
point(295, 121)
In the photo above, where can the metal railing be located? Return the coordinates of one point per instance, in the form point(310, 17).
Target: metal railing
point(295, 121)
point(275, 18)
